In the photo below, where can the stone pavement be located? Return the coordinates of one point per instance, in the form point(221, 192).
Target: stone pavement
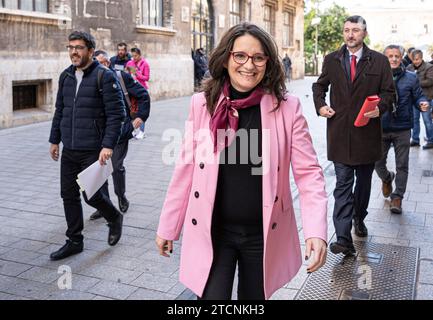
point(32, 222)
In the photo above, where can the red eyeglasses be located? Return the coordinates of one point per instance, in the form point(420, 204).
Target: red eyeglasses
point(258, 59)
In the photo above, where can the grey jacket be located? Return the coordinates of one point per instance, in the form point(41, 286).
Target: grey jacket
point(425, 77)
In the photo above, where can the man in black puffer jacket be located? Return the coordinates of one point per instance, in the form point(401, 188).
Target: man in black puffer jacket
point(88, 121)
point(396, 126)
point(134, 90)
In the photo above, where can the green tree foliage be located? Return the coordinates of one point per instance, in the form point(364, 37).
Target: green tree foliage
point(309, 34)
point(330, 30)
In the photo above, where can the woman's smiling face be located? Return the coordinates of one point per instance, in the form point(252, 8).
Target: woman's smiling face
point(245, 77)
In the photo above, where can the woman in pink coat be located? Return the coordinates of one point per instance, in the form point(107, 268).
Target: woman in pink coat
point(230, 191)
point(138, 67)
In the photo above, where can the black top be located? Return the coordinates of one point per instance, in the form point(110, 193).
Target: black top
point(238, 200)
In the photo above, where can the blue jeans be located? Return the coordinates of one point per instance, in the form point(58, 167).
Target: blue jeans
point(428, 124)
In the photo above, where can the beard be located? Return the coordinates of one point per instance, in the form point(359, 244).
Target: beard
point(352, 43)
point(79, 61)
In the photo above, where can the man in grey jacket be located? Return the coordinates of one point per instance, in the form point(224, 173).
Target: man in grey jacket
point(424, 71)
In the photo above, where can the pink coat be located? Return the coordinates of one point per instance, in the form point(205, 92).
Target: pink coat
point(288, 144)
point(142, 74)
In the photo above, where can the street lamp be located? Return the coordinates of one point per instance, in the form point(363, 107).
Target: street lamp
point(315, 22)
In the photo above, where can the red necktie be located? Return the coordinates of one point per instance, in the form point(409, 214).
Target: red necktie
point(353, 68)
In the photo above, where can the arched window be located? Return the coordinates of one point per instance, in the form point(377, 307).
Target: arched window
point(202, 25)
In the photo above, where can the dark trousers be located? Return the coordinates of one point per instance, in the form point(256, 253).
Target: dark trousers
point(72, 163)
point(119, 173)
point(350, 204)
point(231, 248)
point(401, 142)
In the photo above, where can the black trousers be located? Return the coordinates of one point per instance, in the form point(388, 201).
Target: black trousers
point(231, 248)
point(350, 204)
point(119, 173)
point(72, 163)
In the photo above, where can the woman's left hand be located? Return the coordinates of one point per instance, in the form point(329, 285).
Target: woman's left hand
point(319, 257)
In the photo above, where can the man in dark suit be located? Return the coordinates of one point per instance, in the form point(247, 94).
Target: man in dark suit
point(353, 72)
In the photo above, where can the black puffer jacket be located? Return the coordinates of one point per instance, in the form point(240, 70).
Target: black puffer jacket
point(137, 91)
point(90, 120)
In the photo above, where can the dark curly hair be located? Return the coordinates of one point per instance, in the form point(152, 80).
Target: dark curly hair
point(88, 39)
point(274, 79)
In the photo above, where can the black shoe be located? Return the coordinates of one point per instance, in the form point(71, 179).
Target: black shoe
point(337, 248)
point(414, 144)
point(95, 215)
point(67, 250)
point(115, 231)
point(428, 146)
point(360, 228)
point(123, 204)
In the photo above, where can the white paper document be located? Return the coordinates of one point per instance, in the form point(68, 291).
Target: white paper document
point(93, 177)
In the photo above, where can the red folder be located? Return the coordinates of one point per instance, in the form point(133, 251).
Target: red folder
point(370, 103)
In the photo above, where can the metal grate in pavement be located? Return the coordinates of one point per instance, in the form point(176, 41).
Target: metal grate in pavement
point(377, 272)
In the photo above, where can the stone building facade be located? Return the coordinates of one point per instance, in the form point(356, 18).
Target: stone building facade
point(407, 23)
point(34, 36)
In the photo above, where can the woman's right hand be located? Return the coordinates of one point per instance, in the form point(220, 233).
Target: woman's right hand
point(164, 245)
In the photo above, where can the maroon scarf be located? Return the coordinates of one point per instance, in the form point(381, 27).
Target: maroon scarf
point(225, 115)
